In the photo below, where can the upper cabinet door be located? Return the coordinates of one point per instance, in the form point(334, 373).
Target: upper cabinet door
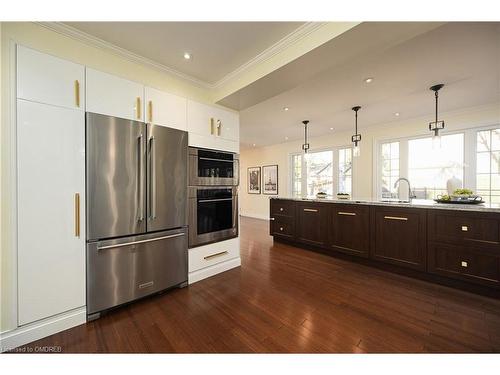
point(228, 125)
point(114, 96)
point(161, 108)
point(201, 118)
point(47, 79)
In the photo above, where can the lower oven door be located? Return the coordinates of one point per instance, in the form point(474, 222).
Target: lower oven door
point(125, 269)
point(212, 214)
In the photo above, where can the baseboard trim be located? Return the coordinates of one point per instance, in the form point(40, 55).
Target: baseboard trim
point(253, 216)
point(42, 328)
point(198, 275)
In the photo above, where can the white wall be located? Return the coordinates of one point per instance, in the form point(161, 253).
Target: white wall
point(363, 182)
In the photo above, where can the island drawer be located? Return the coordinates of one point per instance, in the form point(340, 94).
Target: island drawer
point(282, 207)
point(464, 228)
point(469, 264)
point(282, 226)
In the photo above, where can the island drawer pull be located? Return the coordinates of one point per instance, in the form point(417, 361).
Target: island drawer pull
point(396, 218)
point(465, 228)
point(208, 257)
point(310, 210)
point(346, 213)
point(464, 264)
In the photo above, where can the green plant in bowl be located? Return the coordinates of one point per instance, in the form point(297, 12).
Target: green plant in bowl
point(462, 192)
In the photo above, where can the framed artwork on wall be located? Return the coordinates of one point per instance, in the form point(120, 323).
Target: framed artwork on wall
point(270, 179)
point(253, 180)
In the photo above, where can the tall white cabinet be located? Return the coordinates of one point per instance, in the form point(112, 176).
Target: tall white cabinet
point(50, 186)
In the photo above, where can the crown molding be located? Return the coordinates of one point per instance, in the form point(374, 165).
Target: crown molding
point(284, 43)
point(278, 47)
point(93, 41)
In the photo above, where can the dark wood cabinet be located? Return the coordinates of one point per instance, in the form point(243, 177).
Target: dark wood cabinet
point(312, 223)
point(399, 236)
point(461, 246)
point(349, 229)
point(282, 220)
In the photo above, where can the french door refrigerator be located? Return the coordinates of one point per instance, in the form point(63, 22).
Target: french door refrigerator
point(136, 210)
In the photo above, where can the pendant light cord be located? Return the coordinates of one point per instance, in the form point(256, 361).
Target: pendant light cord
point(436, 95)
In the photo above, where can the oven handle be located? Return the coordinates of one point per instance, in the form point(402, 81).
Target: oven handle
point(215, 200)
point(213, 159)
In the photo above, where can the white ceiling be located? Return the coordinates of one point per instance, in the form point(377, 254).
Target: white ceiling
point(217, 48)
point(463, 56)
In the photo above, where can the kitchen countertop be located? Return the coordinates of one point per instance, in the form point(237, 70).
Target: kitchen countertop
point(415, 203)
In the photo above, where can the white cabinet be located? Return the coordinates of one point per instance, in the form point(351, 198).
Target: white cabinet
point(165, 109)
point(51, 210)
point(107, 94)
point(212, 127)
point(47, 79)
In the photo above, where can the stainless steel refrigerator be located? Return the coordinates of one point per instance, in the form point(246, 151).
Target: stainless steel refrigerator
point(136, 210)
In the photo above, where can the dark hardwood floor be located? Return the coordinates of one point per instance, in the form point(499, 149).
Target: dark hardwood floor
point(285, 299)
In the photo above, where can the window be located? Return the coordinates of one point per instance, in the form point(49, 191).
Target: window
point(430, 168)
point(318, 174)
point(390, 168)
point(345, 171)
point(488, 165)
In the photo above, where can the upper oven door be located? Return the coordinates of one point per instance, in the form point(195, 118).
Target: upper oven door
point(213, 168)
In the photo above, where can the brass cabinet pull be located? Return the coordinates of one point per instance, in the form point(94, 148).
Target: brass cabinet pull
point(464, 264)
point(150, 110)
point(219, 126)
point(281, 209)
point(77, 215)
point(310, 210)
point(281, 229)
point(396, 218)
point(138, 108)
point(215, 255)
point(465, 228)
point(346, 213)
point(271, 218)
point(77, 93)
point(212, 126)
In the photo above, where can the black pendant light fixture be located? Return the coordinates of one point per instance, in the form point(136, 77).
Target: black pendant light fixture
point(356, 138)
point(305, 145)
point(436, 125)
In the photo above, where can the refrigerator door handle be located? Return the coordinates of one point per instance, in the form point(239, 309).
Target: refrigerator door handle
point(140, 205)
point(152, 179)
point(140, 241)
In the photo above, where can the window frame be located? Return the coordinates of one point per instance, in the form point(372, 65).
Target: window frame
point(335, 169)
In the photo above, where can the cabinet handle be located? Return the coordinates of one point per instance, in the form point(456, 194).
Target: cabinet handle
point(281, 229)
point(77, 215)
point(271, 218)
point(138, 107)
point(464, 264)
point(215, 255)
point(310, 210)
point(219, 126)
point(346, 213)
point(396, 218)
point(465, 228)
point(150, 110)
point(281, 209)
point(212, 126)
point(77, 93)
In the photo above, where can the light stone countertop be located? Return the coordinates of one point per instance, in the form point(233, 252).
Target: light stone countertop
point(415, 203)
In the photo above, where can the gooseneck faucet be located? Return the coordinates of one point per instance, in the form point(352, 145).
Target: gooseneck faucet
point(410, 195)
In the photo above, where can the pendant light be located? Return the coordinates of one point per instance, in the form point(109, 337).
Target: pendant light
point(436, 125)
point(305, 145)
point(356, 138)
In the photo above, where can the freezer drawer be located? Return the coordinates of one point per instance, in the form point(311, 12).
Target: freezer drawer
point(122, 270)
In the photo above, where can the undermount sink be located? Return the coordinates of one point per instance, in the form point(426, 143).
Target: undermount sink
point(394, 201)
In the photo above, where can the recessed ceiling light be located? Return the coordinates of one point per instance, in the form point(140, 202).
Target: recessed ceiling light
point(187, 55)
point(331, 128)
point(253, 145)
point(396, 114)
point(285, 108)
point(286, 138)
point(369, 80)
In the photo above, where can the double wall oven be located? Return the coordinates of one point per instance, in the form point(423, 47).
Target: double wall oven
point(212, 196)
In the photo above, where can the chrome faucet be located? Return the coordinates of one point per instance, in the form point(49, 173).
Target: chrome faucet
point(410, 194)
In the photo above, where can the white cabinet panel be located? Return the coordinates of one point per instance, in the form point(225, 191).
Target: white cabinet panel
point(107, 94)
point(51, 170)
point(229, 125)
point(165, 109)
point(199, 117)
point(47, 79)
point(213, 143)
